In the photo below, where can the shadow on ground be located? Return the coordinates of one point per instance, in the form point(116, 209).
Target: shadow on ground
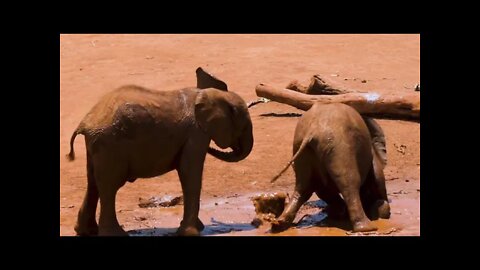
point(281, 114)
point(217, 227)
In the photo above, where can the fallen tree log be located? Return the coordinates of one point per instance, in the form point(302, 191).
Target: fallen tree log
point(404, 106)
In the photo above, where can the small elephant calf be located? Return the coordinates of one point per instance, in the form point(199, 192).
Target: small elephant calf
point(134, 132)
point(336, 151)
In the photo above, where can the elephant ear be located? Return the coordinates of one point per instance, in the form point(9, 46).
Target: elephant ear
point(378, 138)
point(214, 117)
point(207, 80)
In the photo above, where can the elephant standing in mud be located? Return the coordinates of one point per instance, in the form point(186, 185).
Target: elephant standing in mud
point(134, 132)
point(336, 151)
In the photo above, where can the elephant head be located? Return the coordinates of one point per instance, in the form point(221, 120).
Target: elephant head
point(224, 117)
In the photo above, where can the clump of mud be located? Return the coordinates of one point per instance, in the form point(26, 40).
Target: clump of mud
point(268, 206)
point(165, 201)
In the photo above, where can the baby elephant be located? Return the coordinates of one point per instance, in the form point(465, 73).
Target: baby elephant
point(134, 132)
point(336, 151)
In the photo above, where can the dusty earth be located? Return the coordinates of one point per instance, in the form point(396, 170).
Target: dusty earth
point(92, 65)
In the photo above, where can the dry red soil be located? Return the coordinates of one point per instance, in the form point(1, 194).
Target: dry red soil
point(92, 65)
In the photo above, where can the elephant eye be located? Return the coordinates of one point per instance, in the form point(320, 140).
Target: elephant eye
point(233, 110)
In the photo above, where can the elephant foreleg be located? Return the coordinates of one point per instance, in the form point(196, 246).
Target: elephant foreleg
point(86, 224)
point(190, 173)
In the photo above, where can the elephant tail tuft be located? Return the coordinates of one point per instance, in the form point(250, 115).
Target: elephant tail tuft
point(71, 156)
point(300, 149)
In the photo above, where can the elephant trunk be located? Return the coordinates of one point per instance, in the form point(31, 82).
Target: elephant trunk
point(240, 151)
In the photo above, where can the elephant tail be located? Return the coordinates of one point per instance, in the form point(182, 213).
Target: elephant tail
point(300, 149)
point(71, 155)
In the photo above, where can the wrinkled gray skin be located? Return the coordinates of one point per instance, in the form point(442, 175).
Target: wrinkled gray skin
point(336, 151)
point(135, 132)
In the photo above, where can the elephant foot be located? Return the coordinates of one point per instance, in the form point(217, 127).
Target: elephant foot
point(86, 230)
point(364, 226)
point(188, 231)
point(280, 225)
point(116, 231)
point(198, 224)
point(381, 209)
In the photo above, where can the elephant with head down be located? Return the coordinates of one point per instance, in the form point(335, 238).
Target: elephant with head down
point(134, 132)
point(339, 155)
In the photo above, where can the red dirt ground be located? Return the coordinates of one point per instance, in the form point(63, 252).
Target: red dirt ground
point(92, 65)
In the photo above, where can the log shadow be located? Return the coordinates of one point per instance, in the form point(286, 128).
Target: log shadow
point(281, 114)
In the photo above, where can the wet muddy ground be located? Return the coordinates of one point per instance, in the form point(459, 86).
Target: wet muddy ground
point(92, 65)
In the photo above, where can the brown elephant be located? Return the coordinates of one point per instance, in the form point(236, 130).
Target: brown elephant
point(134, 132)
point(336, 151)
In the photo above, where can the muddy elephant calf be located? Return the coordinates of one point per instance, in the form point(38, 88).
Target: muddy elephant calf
point(336, 151)
point(134, 132)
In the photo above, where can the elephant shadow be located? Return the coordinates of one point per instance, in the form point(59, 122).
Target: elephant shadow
point(321, 219)
point(216, 227)
point(318, 219)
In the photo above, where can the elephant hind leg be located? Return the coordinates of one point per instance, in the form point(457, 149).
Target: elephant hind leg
point(348, 181)
point(303, 191)
point(108, 223)
point(86, 224)
point(110, 177)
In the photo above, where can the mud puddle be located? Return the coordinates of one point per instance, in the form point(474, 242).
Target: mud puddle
point(232, 216)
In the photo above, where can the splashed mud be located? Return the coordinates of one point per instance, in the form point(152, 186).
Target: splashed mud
point(268, 206)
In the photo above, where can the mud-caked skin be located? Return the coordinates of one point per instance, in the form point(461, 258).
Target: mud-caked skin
point(134, 132)
point(336, 151)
